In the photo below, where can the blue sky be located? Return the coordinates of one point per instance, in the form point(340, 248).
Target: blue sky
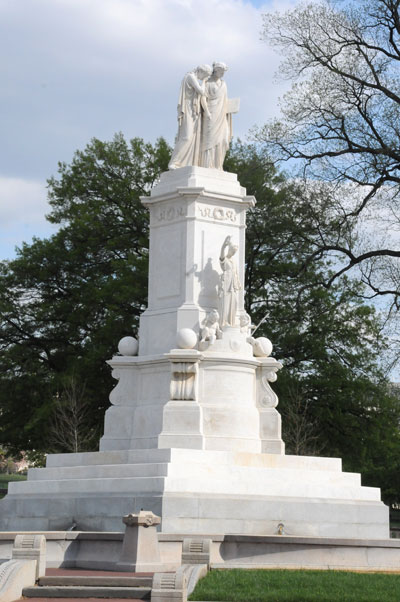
point(75, 69)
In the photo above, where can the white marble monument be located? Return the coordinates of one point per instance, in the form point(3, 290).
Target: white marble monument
point(193, 433)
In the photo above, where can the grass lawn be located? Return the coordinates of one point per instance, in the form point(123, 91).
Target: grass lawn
point(238, 585)
point(6, 478)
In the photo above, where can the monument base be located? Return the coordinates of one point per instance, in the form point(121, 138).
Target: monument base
point(197, 492)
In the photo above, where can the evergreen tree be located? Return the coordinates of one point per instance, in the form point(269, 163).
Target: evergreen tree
point(67, 300)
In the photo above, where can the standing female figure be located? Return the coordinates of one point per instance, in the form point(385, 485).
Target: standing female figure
point(216, 131)
point(190, 104)
point(229, 284)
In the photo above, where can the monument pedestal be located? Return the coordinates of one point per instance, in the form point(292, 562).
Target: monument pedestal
point(197, 492)
point(193, 433)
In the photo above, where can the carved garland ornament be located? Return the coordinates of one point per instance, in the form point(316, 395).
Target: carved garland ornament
point(218, 213)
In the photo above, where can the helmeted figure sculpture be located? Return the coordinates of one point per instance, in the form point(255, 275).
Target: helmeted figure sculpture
point(229, 284)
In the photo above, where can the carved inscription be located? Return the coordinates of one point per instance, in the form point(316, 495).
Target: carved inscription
point(218, 213)
point(167, 214)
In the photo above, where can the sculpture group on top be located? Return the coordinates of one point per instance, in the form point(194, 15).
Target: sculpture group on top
point(204, 119)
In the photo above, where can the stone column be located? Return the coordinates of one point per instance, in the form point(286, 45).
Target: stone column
point(140, 550)
point(192, 211)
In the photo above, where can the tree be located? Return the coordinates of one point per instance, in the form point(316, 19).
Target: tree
point(330, 342)
point(340, 125)
point(69, 430)
point(65, 301)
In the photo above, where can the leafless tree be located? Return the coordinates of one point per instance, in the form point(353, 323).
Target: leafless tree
point(301, 433)
point(70, 426)
point(341, 124)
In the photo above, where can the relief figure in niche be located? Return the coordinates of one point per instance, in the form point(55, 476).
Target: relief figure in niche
point(191, 107)
point(229, 285)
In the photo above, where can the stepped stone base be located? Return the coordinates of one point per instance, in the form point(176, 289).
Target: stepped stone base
point(197, 492)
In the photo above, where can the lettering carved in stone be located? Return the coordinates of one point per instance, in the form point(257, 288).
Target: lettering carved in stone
point(183, 380)
point(169, 213)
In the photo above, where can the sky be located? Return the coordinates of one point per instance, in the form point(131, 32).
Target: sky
point(72, 70)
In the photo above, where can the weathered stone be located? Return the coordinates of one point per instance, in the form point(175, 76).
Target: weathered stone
point(169, 586)
point(140, 549)
point(31, 546)
point(196, 551)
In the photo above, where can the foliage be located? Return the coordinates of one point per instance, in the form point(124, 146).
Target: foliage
point(240, 585)
point(35, 458)
point(334, 397)
point(6, 478)
point(67, 300)
point(340, 124)
point(70, 419)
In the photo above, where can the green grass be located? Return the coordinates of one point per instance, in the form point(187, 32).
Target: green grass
point(6, 478)
point(238, 585)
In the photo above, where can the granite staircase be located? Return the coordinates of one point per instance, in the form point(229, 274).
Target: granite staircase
point(102, 586)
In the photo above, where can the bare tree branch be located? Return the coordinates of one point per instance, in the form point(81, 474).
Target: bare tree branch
point(340, 122)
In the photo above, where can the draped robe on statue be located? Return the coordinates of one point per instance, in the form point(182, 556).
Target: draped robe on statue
point(187, 142)
point(217, 131)
point(228, 293)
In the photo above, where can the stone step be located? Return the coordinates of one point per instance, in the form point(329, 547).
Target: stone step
point(144, 456)
point(188, 470)
point(90, 485)
point(139, 456)
point(81, 599)
point(104, 581)
point(76, 591)
point(105, 471)
point(271, 483)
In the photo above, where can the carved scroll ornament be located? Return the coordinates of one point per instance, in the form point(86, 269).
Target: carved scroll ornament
point(266, 397)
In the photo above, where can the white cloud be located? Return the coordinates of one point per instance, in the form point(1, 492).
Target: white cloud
point(82, 68)
point(23, 206)
point(22, 201)
point(107, 65)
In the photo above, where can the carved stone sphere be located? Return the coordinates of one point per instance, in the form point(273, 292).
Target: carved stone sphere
point(186, 338)
point(128, 346)
point(262, 347)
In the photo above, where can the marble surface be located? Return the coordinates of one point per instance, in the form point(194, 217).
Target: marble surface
point(193, 433)
point(199, 492)
point(204, 119)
